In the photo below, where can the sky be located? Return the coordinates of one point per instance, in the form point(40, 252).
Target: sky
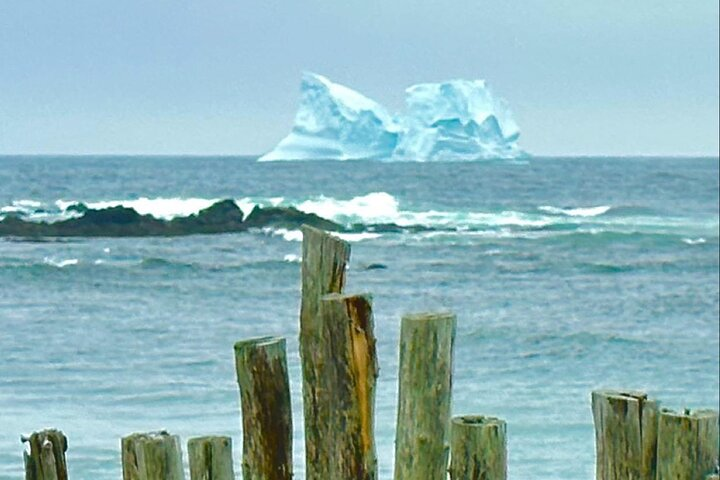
point(583, 77)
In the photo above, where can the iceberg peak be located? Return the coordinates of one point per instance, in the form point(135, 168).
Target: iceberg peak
point(453, 120)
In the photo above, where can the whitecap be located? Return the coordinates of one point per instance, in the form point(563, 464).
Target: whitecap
point(694, 241)
point(576, 212)
point(286, 234)
point(292, 258)
point(60, 263)
point(358, 237)
point(162, 208)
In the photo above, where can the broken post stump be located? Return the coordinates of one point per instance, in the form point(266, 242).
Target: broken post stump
point(152, 456)
point(478, 448)
point(46, 460)
point(210, 458)
point(262, 376)
point(346, 404)
point(324, 260)
point(687, 445)
point(424, 387)
point(625, 435)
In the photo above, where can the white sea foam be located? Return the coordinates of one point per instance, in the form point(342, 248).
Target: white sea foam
point(376, 207)
point(576, 212)
point(292, 258)
point(164, 208)
point(694, 241)
point(286, 234)
point(60, 263)
point(358, 237)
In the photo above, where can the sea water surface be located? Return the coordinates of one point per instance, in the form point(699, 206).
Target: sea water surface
point(566, 275)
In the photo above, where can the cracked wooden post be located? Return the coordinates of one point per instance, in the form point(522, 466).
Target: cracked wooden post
point(687, 445)
point(424, 387)
point(262, 375)
point(152, 456)
point(210, 458)
point(345, 406)
point(478, 448)
point(46, 460)
point(625, 435)
point(324, 260)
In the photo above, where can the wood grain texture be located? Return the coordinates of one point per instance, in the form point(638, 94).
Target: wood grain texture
point(324, 261)
point(625, 435)
point(152, 456)
point(478, 448)
point(261, 367)
point(211, 458)
point(424, 389)
point(687, 445)
point(46, 459)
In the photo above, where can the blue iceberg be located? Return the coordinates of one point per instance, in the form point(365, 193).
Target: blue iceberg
point(454, 120)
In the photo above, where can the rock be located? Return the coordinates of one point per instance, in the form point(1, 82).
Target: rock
point(376, 266)
point(288, 217)
point(220, 217)
point(78, 207)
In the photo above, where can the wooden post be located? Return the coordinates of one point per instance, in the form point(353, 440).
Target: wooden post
point(46, 460)
point(425, 380)
point(625, 435)
point(478, 448)
point(211, 458)
point(346, 386)
point(324, 260)
point(152, 456)
point(687, 445)
point(262, 376)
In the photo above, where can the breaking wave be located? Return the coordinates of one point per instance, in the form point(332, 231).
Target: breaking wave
point(376, 213)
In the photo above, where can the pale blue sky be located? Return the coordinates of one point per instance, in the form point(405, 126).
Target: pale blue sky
point(221, 76)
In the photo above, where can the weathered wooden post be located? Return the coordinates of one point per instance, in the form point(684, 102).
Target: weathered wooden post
point(478, 448)
point(425, 380)
point(152, 456)
point(210, 458)
point(46, 460)
point(324, 260)
point(625, 435)
point(687, 445)
point(346, 389)
point(261, 366)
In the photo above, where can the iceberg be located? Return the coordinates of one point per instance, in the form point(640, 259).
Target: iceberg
point(446, 121)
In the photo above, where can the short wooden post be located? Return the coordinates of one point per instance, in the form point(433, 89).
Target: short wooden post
point(324, 260)
point(346, 403)
point(152, 456)
point(625, 435)
point(687, 445)
point(425, 380)
point(478, 448)
point(210, 458)
point(262, 376)
point(46, 460)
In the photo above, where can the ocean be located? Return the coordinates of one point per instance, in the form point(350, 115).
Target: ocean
point(566, 275)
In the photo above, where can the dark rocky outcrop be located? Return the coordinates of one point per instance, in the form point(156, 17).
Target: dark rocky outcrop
point(222, 217)
point(288, 217)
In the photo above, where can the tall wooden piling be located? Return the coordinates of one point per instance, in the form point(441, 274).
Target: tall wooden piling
point(210, 458)
point(324, 260)
point(625, 435)
point(478, 448)
point(152, 456)
point(46, 460)
point(346, 386)
point(261, 366)
point(424, 387)
point(687, 445)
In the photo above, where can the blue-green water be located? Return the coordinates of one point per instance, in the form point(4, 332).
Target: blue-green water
point(566, 275)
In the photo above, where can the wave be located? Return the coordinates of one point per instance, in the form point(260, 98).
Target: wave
point(368, 216)
point(576, 212)
point(60, 263)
